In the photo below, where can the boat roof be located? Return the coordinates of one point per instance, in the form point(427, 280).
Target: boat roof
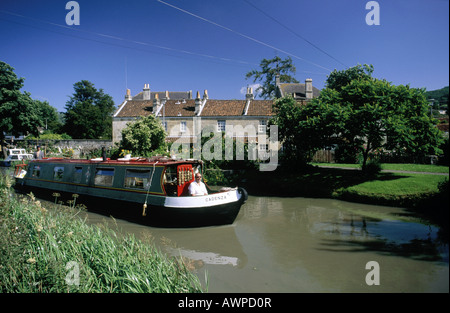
point(131, 161)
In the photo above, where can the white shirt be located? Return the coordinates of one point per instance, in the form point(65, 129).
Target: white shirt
point(197, 189)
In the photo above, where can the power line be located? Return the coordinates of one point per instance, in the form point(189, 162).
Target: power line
point(118, 39)
point(293, 32)
point(241, 34)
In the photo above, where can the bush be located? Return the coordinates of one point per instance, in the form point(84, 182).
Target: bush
point(346, 154)
point(373, 167)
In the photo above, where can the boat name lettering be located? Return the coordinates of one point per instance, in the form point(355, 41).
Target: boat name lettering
point(216, 197)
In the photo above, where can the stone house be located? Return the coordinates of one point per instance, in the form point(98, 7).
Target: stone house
point(184, 117)
point(298, 91)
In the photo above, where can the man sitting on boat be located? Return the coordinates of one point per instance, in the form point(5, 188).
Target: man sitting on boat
point(197, 187)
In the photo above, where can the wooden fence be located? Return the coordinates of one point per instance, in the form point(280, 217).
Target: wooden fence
point(324, 156)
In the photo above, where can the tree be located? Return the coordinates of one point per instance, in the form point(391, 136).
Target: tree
point(48, 116)
point(339, 79)
point(268, 73)
point(89, 112)
point(362, 113)
point(18, 114)
point(145, 137)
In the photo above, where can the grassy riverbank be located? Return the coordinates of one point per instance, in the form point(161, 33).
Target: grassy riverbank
point(425, 168)
point(423, 193)
point(46, 250)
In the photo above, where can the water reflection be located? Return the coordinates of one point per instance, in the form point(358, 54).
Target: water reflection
point(310, 245)
point(339, 224)
point(209, 245)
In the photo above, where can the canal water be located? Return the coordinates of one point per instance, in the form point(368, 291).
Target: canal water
point(308, 245)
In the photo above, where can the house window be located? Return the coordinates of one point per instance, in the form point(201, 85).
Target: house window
point(104, 176)
point(58, 172)
point(263, 147)
point(138, 179)
point(182, 127)
point(221, 125)
point(77, 174)
point(263, 151)
point(262, 126)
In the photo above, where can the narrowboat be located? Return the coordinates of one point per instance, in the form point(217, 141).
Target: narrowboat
point(158, 186)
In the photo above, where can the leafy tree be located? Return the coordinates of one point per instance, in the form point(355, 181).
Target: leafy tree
point(441, 98)
point(89, 112)
point(145, 137)
point(18, 114)
point(48, 116)
point(364, 114)
point(268, 73)
point(294, 138)
point(339, 79)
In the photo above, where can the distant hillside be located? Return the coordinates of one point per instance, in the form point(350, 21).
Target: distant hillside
point(440, 96)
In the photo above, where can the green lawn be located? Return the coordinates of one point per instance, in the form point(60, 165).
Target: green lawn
point(399, 185)
point(385, 188)
point(396, 167)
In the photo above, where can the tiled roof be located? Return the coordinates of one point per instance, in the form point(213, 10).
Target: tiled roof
point(223, 107)
point(186, 108)
point(287, 88)
point(260, 108)
point(178, 108)
point(133, 108)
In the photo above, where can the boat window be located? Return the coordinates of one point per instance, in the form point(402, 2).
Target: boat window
point(77, 174)
point(58, 172)
point(36, 171)
point(170, 180)
point(170, 175)
point(137, 178)
point(104, 176)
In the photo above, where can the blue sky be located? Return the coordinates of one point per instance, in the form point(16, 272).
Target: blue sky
point(182, 45)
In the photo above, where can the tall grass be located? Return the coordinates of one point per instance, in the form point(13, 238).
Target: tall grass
point(44, 250)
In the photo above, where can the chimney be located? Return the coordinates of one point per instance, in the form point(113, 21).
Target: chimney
point(128, 95)
point(167, 95)
point(190, 94)
point(198, 103)
point(146, 94)
point(249, 95)
point(308, 89)
point(277, 79)
point(205, 94)
point(156, 104)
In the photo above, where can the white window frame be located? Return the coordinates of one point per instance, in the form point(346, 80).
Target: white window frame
point(263, 147)
point(262, 126)
point(221, 125)
point(182, 127)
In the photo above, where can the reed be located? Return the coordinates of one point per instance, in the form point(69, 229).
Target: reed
point(46, 250)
